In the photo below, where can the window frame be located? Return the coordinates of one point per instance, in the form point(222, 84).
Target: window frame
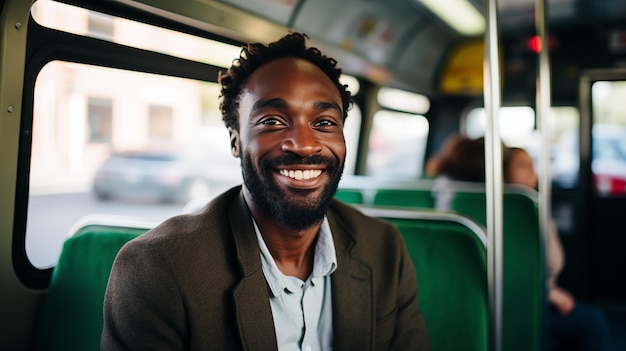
point(45, 45)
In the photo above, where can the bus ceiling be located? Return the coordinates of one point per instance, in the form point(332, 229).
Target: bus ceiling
point(406, 44)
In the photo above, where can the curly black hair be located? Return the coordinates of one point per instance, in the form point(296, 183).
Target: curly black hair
point(255, 55)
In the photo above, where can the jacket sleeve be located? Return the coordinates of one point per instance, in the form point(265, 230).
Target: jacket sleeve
point(143, 309)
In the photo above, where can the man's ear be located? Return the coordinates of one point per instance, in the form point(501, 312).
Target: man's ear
point(234, 141)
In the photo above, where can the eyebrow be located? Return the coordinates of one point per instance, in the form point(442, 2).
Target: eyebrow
point(323, 105)
point(275, 102)
point(281, 103)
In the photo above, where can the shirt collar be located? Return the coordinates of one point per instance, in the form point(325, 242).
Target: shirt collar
point(324, 261)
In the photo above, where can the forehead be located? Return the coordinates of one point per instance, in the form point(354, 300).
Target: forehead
point(284, 74)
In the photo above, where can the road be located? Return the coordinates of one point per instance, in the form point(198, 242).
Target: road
point(50, 218)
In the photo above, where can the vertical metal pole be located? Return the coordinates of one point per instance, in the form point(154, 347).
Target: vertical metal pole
point(493, 173)
point(543, 101)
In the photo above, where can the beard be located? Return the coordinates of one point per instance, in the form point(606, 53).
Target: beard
point(301, 211)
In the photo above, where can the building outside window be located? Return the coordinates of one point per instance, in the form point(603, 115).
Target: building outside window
point(160, 122)
point(99, 120)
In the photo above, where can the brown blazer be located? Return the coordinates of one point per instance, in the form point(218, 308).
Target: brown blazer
point(195, 283)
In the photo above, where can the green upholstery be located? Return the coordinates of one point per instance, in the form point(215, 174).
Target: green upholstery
point(351, 196)
point(71, 315)
point(451, 263)
point(523, 266)
point(404, 197)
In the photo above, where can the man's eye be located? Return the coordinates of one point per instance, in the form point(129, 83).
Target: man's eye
point(325, 123)
point(271, 121)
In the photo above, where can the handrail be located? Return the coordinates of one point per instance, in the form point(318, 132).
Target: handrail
point(544, 102)
point(374, 183)
point(493, 173)
point(114, 221)
point(403, 213)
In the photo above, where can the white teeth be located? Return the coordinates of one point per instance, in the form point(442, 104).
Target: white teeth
point(301, 174)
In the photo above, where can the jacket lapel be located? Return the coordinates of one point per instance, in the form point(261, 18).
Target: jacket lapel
point(251, 298)
point(353, 312)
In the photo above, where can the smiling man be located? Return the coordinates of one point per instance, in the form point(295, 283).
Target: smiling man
point(277, 263)
point(290, 142)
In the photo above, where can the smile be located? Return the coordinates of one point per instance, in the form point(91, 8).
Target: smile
point(301, 174)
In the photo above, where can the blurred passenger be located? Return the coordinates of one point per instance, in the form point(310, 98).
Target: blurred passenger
point(431, 169)
point(572, 325)
point(465, 161)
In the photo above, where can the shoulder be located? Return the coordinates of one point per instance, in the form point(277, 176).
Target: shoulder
point(178, 253)
point(188, 231)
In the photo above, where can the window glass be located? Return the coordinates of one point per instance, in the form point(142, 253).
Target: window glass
point(99, 120)
point(516, 124)
point(396, 145)
point(351, 131)
point(403, 100)
point(608, 160)
point(84, 22)
point(160, 122)
point(352, 126)
point(565, 154)
point(142, 147)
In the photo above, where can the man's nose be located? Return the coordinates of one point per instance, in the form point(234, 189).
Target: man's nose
point(301, 140)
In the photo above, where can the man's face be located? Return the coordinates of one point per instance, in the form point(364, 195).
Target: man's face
point(290, 141)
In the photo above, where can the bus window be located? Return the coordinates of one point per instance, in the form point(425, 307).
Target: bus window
point(403, 100)
point(608, 163)
point(516, 124)
point(111, 141)
point(351, 130)
point(397, 144)
point(397, 140)
point(517, 129)
point(565, 124)
point(352, 127)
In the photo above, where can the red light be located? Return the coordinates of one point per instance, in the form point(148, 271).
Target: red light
point(534, 44)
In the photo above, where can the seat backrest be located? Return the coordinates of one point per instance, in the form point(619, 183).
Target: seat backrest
point(404, 197)
point(383, 191)
point(71, 314)
point(523, 282)
point(351, 196)
point(449, 255)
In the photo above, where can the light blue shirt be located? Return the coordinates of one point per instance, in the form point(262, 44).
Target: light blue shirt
point(302, 310)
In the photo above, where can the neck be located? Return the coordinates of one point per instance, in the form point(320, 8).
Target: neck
point(293, 255)
point(292, 250)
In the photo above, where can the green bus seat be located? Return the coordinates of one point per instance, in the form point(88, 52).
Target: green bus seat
point(523, 282)
point(351, 196)
point(71, 314)
point(404, 197)
point(449, 255)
